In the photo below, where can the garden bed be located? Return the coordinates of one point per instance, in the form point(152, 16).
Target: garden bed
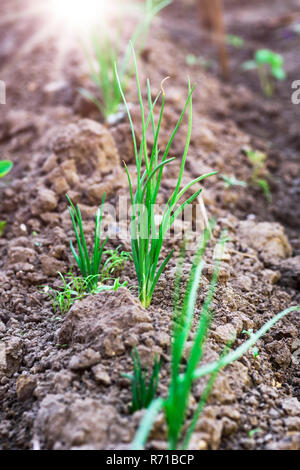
point(61, 383)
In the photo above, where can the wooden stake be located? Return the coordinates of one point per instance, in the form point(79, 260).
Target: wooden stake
point(211, 17)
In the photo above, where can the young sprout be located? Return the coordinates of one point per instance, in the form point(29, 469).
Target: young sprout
point(64, 297)
point(176, 404)
point(255, 352)
point(258, 160)
point(235, 41)
point(143, 385)
point(248, 332)
point(75, 288)
point(89, 266)
point(115, 262)
point(106, 51)
point(253, 431)
point(146, 238)
point(232, 181)
point(192, 60)
point(269, 66)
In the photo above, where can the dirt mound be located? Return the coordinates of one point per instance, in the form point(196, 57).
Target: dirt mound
point(69, 422)
point(107, 322)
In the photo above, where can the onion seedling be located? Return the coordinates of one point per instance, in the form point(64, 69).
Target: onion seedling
point(143, 385)
point(146, 238)
point(89, 266)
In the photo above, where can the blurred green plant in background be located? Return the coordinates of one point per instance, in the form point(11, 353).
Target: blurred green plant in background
point(107, 50)
point(269, 66)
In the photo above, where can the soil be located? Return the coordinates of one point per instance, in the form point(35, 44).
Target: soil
point(61, 384)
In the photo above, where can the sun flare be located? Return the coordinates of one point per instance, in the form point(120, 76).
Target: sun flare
point(78, 15)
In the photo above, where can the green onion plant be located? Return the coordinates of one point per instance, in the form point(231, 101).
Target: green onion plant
point(143, 385)
point(89, 265)
point(183, 372)
point(147, 239)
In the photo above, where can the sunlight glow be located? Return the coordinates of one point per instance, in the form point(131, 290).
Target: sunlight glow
point(78, 15)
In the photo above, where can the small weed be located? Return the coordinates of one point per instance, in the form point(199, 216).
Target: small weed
point(248, 332)
point(65, 296)
point(115, 263)
point(269, 66)
point(258, 160)
point(253, 431)
point(235, 41)
point(232, 181)
point(75, 288)
point(193, 60)
point(143, 385)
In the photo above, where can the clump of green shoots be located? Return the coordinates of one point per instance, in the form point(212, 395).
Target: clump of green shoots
point(143, 385)
point(147, 239)
point(115, 262)
point(258, 161)
point(5, 167)
point(182, 375)
point(89, 265)
point(76, 288)
point(107, 51)
point(63, 298)
point(269, 66)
